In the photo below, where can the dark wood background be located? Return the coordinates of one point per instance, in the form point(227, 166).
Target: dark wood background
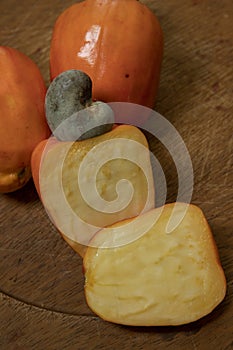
point(42, 304)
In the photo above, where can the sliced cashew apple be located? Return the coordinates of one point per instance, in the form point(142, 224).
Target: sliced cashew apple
point(87, 185)
point(160, 278)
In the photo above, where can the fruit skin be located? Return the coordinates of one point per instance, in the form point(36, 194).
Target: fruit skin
point(22, 121)
point(36, 159)
point(119, 44)
point(160, 278)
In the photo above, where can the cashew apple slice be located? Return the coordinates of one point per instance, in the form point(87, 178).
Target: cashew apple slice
point(164, 277)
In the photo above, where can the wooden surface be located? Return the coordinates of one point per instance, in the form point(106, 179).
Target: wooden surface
point(42, 304)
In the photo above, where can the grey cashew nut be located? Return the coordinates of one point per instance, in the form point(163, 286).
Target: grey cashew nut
point(70, 112)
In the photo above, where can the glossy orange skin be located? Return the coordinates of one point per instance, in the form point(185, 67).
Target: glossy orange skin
point(22, 119)
point(118, 43)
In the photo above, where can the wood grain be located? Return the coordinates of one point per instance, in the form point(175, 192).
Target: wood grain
point(42, 305)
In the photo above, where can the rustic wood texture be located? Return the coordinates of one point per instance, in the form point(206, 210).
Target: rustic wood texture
point(42, 305)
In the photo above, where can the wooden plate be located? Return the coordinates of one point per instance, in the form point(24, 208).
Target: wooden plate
point(41, 282)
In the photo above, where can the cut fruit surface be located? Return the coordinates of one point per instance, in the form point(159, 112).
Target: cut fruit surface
point(159, 279)
point(89, 184)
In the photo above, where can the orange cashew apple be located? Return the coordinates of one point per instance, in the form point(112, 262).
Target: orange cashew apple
point(119, 44)
point(22, 121)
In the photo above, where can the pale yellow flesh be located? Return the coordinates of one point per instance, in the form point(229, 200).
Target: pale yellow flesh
point(60, 192)
point(159, 279)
